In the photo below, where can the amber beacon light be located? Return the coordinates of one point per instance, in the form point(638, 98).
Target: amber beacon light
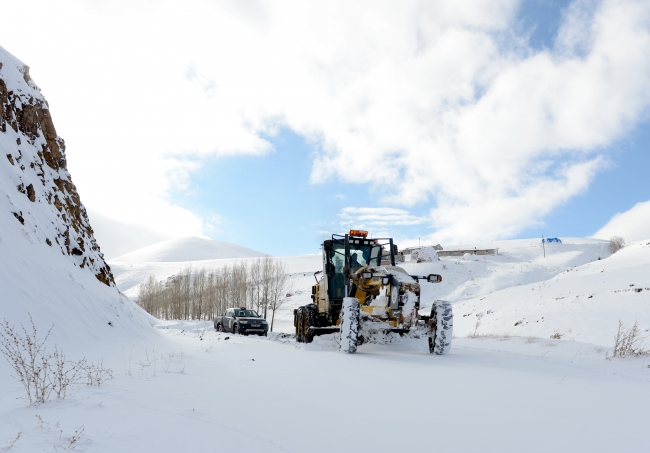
point(359, 233)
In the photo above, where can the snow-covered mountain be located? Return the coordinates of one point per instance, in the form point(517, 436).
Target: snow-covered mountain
point(51, 267)
point(189, 248)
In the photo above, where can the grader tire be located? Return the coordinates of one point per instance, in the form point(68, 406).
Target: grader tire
point(310, 318)
point(441, 327)
point(298, 320)
point(350, 313)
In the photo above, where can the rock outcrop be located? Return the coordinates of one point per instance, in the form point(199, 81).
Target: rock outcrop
point(36, 181)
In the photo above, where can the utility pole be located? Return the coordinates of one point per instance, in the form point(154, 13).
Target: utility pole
point(543, 246)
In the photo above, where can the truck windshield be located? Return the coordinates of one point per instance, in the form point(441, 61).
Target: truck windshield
point(360, 255)
point(246, 314)
point(364, 255)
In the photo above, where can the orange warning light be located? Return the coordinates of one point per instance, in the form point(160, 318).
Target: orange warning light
point(359, 233)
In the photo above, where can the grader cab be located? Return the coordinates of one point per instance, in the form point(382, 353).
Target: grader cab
point(362, 294)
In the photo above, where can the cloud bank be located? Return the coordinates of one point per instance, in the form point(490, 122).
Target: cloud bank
point(434, 103)
point(632, 225)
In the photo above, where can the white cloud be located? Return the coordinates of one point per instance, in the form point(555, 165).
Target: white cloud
point(633, 225)
point(378, 217)
point(425, 101)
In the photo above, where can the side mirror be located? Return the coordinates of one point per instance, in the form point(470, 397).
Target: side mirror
point(434, 278)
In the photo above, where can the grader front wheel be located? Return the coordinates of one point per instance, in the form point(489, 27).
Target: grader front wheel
point(441, 327)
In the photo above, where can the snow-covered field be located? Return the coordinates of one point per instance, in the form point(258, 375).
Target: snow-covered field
point(181, 386)
point(195, 390)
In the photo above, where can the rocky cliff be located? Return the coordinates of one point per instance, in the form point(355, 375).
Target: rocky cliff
point(33, 173)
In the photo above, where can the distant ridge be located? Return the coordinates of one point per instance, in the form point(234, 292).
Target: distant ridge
point(189, 248)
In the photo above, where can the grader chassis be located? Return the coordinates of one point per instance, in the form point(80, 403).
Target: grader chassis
point(362, 293)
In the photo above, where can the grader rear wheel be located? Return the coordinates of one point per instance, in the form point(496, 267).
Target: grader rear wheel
point(310, 318)
point(298, 321)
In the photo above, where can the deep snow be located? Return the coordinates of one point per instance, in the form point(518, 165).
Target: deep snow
point(181, 386)
point(250, 394)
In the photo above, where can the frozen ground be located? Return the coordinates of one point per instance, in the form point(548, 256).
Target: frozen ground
point(244, 394)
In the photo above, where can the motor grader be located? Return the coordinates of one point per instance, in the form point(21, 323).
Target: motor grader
point(362, 294)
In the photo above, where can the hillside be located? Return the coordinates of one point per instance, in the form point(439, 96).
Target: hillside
point(51, 266)
point(186, 249)
point(582, 303)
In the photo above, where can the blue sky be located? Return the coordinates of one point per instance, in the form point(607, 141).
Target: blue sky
point(268, 202)
point(271, 123)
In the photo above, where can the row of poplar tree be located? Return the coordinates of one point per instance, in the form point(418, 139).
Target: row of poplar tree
point(261, 284)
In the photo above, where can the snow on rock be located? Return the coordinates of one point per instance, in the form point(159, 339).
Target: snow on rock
point(40, 199)
point(187, 249)
point(51, 267)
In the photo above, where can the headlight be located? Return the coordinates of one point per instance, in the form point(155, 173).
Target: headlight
point(244, 322)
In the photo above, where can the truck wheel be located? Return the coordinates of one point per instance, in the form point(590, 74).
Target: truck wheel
point(219, 328)
point(441, 327)
point(235, 328)
point(350, 313)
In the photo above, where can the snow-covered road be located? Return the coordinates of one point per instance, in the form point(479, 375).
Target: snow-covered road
point(243, 394)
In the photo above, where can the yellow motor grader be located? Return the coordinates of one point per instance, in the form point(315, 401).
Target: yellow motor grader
point(362, 294)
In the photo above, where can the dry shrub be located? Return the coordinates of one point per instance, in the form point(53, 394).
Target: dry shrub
point(628, 342)
point(616, 243)
point(43, 373)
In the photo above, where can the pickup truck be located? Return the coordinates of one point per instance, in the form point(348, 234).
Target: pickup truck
point(242, 321)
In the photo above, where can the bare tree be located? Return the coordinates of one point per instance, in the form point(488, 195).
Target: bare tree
point(255, 284)
point(200, 294)
point(266, 281)
point(278, 288)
